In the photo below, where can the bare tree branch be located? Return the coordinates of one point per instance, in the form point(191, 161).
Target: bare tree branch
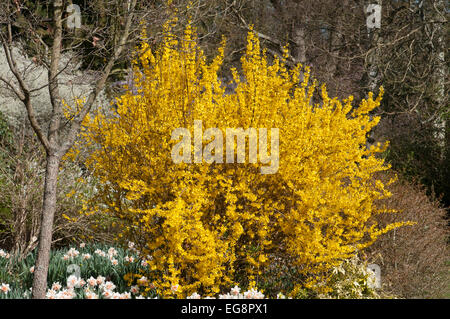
point(76, 123)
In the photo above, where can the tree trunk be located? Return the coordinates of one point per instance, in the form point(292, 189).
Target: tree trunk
point(54, 146)
point(374, 76)
point(373, 72)
point(45, 237)
point(440, 75)
point(298, 36)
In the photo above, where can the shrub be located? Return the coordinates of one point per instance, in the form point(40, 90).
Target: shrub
point(352, 280)
point(413, 259)
point(415, 151)
point(209, 226)
point(5, 131)
point(22, 165)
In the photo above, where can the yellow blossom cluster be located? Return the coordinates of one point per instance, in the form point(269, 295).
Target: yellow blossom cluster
point(207, 226)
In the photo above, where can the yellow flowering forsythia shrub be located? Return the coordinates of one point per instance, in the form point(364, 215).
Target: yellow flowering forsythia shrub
point(210, 226)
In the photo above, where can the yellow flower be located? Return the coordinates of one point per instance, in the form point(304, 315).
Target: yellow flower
point(205, 223)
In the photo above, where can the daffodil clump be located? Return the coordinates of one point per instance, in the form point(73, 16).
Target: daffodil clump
point(93, 272)
point(209, 226)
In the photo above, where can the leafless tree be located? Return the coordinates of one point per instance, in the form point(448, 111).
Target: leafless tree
point(122, 20)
